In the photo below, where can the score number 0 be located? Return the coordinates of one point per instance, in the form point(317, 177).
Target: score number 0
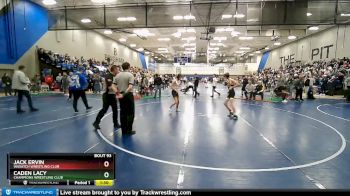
point(106, 164)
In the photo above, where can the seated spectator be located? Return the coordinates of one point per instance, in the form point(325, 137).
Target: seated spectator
point(259, 90)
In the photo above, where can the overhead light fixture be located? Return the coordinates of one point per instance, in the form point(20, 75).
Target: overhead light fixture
point(189, 17)
point(244, 48)
point(85, 20)
point(189, 44)
point(132, 45)
point(313, 28)
point(108, 32)
point(177, 34)
point(165, 39)
point(146, 52)
point(143, 32)
point(126, 19)
point(257, 52)
point(308, 14)
point(216, 48)
point(240, 52)
point(235, 33)
point(228, 29)
point(226, 16)
point(237, 15)
point(251, 54)
point(140, 49)
point(178, 17)
point(164, 49)
point(277, 43)
point(102, 1)
point(344, 14)
point(189, 38)
point(49, 2)
point(220, 38)
point(292, 37)
point(267, 48)
point(122, 40)
point(245, 38)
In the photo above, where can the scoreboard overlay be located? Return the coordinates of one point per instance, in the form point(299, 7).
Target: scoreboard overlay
point(79, 169)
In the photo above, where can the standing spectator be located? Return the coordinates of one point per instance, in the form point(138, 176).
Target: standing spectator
point(196, 83)
point(65, 83)
point(36, 82)
point(298, 85)
point(97, 83)
point(79, 84)
point(125, 82)
point(158, 86)
point(59, 81)
point(6, 81)
point(215, 82)
point(347, 87)
point(244, 84)
point(20, 83)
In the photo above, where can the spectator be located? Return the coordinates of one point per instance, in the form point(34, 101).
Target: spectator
point(6, 82)
point(20, 83)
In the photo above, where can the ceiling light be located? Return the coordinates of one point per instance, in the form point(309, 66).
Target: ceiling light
point(257, 52)
point(49, 2)
point(177, 34)
point(235, 33)
point(292, 37)
point(189, 38)
point(343, 14)
point(122, 40)
point(189, 17)
point(277, 43)
point(163, 49)
point(132, 45)
point(102, 1)
point(240, 52)
point(251, 54)
point(166, 39)
point(216, 48)
point(308, 14)
point(143, 32)
point(228, 29)
point(244, 48)
point(178, 17)
point(220, 38)
point(85, 20)
point(146, 52)
point(140, 49)
point(313, 28)
point(245, 38)
point(124, 19)
point(226, 16)
point(253, 20)
point(267, 48)
point(189, 44)
point(108, 32)
point(238, 15)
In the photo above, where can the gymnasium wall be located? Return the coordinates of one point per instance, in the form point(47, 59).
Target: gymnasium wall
point(204, 69)
point(325, 45)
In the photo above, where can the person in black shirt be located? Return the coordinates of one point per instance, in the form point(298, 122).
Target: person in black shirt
point(158, 86)
point(109, 99)
point(196, 83)
point(7, 82)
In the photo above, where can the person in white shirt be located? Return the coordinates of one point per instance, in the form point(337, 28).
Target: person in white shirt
point(175, 85)
point(20, 83)
point(215, 82)
point(249, 89)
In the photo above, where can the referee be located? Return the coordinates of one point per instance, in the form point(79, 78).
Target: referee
point(125, 82)
point(109, 99)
